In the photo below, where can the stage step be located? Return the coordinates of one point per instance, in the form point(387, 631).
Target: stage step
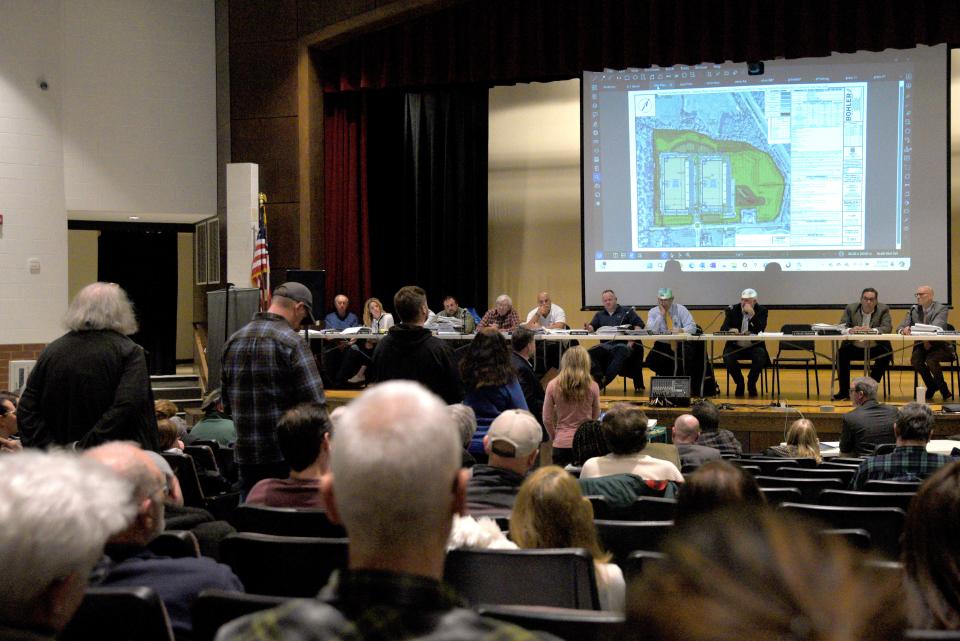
point(182, 389)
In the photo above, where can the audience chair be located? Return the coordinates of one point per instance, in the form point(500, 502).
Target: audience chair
point(797, 351)
point(885, 570)
point(856, 537)
point(809, 488)
point(838, 465)
point(214, 608)
point(623, 537)
point(557, 577)
point(931, 635)
point(845, 475)
point(884, 448)
point(769, 466)
point(851, 498)
point(119, 614)
point(290, 566)
point(285, 521)
point(892, 486)
point(635, 563)
point(644, 508)
point(778, 495)
point(176, 544)
point(203, 457)
point(851, 460)
point(565, 623)
point(885, 524)
point(213, 444)
point(220, 505)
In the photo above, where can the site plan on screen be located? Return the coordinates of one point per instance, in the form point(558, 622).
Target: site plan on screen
point(776, 168)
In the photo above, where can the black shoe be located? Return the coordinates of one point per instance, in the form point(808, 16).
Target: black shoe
point(930, 393)
point(752, 391)
point(739, 392)
point(840, 396)
point(947, 395)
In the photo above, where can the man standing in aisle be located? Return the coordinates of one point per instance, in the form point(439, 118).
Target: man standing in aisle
point(927, 355)
point(747, 318)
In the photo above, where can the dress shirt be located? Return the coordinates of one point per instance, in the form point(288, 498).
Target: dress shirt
point(679, 316)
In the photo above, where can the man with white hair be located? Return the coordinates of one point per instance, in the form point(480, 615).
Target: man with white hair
point(502, 315)
point(747, 318)
point(395, 483)
point(91, 385)
point(686, 431)
point(56, 512)
point(128, 562)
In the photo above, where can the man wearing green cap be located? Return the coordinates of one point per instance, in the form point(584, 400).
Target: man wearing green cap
point(667, 318)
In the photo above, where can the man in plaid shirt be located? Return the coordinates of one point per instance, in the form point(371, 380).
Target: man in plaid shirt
point(395, 482)
point(711, 435)
point(910, 460)
point(267, 368)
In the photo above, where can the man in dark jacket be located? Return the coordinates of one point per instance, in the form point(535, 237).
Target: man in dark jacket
point(524, 347)
point(410, 351)
point(869, 424)
point(749, 317)
point(91, 385)
point(513, 444)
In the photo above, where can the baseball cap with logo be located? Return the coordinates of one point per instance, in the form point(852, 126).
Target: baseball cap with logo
point(664, 293)
point(514, 434)
point(300, 293)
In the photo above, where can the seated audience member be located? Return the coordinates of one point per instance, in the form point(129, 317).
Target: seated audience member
point(512, 445)
point(717, 484)
point(170, 442)
point(452, 309)
point(410, 351)
point(9, 432)
point(588, 442)
point(303, 435)
point(395, 483)
point(686, 431)
point(56, 512)
point(491, 383)
point(571, 398)
point(551, 512)
point(802, 442)
point(524, 347)
point(869, 423)
point(711, 434)
point(167, 409)
point(502, 316)
point(128, 562)
point(466, 421)
point(611, 358)
point(625, 431)
point(930, 552)
point(909, 460)
point(215, 425)
point(762, 575)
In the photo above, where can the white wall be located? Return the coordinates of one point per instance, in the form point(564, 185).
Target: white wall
point(31, 172)
point(139, 99)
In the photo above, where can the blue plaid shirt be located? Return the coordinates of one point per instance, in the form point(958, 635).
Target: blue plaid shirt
point(905, 463)
point(267, 368)
point(723, 440)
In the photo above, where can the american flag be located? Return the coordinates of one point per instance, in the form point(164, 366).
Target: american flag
point(260, 269)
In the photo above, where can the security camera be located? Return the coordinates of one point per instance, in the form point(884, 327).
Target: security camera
point(43, 84)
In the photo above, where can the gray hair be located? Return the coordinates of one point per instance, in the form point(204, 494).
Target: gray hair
point(466, 421)
point(57, 510)
point(915, 422)
point(504, 297)
point(866, 386)
point(101, 306)
point(131, 463)
point(394, 461)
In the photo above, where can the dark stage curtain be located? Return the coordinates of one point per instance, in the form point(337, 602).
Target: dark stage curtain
point(144, 263)
point(345, 229)
point(507, 41)
point(428, 213)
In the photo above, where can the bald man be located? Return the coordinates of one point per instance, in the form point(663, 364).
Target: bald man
point(686, 431)
point(927, 355)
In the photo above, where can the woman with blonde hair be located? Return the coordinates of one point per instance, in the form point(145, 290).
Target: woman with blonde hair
point(551, 512)
point(802, 442)
point(375, 318)
point(353, 370)
point(571, 398)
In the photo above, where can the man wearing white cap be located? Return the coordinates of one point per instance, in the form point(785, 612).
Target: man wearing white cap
point(667, 318)
point(749, 317)
point(512, 444)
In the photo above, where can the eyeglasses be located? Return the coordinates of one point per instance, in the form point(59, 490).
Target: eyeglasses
point(919, 294)
point(868, 299)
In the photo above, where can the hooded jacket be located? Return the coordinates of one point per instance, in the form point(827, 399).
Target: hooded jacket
point(413, 353)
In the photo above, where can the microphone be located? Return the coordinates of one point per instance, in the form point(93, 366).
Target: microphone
point(715, 318)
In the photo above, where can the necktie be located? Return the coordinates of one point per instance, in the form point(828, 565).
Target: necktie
point(920, 314)
point(669, 321)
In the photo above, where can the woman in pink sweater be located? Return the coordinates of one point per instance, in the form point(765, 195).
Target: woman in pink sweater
point(572, 398)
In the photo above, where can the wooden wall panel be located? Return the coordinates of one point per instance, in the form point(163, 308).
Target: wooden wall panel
point(263, 79)
point(272, 144)
point(262, 20)
point(283, 228)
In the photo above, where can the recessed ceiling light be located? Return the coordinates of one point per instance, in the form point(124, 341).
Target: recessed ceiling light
point(134, 217)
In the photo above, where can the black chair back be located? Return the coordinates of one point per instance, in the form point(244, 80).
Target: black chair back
point(644, 508)
point(213, 608)
point(564, 623)
point(795, 345)
point(290, 566)
point(857, 537)
point(818, 473)
point(285, 521)
point(809, 488)
point(635, 563)
point(885, 524)
point(119, 614)
point(623, 537)
point(768, 466)
point(559, 577)
point(884, 448)
point(853, 460)
point(203, 456)
point(838, 465)
point(212, 443)
point(892, 486)
point(852, 498)
point(778, 495)
point(175, 544)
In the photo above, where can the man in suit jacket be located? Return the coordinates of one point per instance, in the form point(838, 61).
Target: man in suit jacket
point(523, 348)
point(869, 313)
point(927, 355)
point(749, 317)
point(869, 424)
point(686, 431)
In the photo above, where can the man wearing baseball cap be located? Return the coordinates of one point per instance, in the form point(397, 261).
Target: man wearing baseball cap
point(267, 368)
point(667, 318)
point(746, 318)
point(512, 444)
